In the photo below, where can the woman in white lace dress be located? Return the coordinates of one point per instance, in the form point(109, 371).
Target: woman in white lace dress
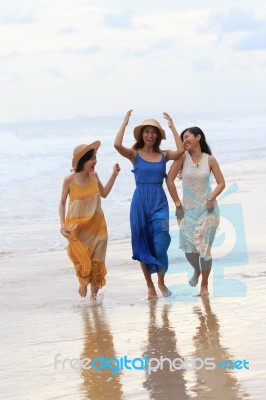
point(198, 215)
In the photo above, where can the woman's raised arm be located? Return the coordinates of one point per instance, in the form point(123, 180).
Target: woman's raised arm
point(124, 151)
point(174, 154)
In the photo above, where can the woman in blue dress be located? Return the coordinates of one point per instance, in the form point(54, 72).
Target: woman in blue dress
point(149, 213)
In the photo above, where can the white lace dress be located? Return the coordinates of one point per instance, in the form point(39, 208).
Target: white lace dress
point(198, 227)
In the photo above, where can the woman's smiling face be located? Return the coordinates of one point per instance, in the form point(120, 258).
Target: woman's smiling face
point(190, 141)
point(150, 134)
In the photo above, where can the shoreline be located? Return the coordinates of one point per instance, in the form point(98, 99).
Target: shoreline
point(237, 175)
point(45, 317)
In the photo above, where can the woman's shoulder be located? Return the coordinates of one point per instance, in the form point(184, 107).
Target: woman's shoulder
point(69, 178)
point(134, 153)
point(211, 158)
point(94, 175)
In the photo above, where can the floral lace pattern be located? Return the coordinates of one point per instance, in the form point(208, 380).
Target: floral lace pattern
point(198, 228)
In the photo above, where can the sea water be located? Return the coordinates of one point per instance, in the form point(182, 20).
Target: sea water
point(36, 156)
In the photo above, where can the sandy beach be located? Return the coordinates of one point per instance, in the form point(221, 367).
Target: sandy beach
point(48, 332)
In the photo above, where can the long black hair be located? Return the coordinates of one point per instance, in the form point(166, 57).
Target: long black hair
point(140, 142)
point(205, 148)
point(87, 156)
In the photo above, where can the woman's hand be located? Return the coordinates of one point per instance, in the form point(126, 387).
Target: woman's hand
point(64, 231)
point(116, 169)
point(169, 119)
point(210, 205)
point(127, 117)
point(179, 213)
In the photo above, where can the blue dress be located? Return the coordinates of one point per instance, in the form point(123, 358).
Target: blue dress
point(149, 215)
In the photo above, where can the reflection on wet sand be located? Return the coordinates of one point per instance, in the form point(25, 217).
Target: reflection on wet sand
point(217, 383)
point(163, 383)
point(98, 341)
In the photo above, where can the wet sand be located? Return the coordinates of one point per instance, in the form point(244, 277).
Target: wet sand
point(45, 322)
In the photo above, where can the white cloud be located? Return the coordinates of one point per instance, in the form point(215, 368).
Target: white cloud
point(56, 73)
point(16, 18)
point(90, 58)
point(203, 64)
point(11, 77)
point(83, 51)
point(69, 30)
point(10, 56)
point(121, 20)
point(252, 42)
point(232, 20)
point(163, 44)
point(238, 28)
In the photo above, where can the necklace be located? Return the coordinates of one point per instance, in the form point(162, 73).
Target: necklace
point(197, 162)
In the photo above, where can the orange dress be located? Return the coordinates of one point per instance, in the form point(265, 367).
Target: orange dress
point(88, 232)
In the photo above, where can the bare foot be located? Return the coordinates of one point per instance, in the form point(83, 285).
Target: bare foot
point(152, 295)
point(195, 278)
point(93, 300)
point(83, 290)
point(203, 291)
point(93, 297)
point(165, 291)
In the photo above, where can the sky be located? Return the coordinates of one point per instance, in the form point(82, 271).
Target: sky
point(67, 58)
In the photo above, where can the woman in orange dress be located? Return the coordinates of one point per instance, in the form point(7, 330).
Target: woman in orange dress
point(84, 225)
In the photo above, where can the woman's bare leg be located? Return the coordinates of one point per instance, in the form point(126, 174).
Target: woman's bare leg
point(206, 267)
point(82, 290)
point(94, 291)
point(152, 295)
point(164, 289)
point(193, 259)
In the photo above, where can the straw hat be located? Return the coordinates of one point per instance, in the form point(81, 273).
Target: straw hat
point(149, 122)
point(80, 150)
